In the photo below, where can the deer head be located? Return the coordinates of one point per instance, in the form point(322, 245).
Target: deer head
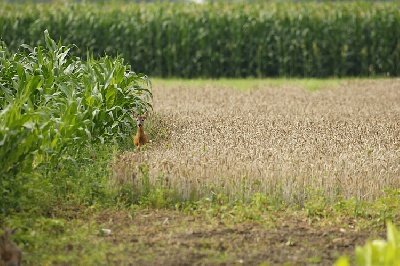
point(139, 118)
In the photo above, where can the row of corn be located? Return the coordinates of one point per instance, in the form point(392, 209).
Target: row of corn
point(261, 39)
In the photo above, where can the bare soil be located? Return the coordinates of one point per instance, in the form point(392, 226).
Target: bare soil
point(161, 237)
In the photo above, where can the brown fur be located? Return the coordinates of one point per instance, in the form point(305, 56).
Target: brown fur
point(10, 254)
point(141, 136)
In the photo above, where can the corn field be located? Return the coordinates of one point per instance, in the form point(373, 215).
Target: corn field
point(53, 106)
point(222, 39)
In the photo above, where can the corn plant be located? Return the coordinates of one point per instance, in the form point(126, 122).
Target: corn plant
point(52, 105)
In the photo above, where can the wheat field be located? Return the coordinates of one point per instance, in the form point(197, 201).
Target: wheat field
point(283, 141)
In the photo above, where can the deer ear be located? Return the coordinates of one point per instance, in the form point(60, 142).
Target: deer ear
point(134, 113)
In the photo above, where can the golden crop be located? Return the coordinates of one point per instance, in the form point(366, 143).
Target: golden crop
point(284, 141)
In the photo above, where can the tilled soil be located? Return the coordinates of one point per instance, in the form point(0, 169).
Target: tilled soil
point(161, 237)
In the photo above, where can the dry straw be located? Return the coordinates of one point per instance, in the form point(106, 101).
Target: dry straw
point(286, 142)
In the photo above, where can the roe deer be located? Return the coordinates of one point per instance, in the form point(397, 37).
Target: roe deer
point(140, 137)
point(10, 254)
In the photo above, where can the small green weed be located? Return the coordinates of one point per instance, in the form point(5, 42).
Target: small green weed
point(377, 252)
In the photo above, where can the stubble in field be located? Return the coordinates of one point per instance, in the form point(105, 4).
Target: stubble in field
point(286, 142)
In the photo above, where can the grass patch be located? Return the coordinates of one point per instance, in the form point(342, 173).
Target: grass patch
point(208, 230)
point(310, 84)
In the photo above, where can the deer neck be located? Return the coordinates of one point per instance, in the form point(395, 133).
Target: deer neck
point(140, 131)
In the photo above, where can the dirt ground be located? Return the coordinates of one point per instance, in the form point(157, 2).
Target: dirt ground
point(161, 237)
